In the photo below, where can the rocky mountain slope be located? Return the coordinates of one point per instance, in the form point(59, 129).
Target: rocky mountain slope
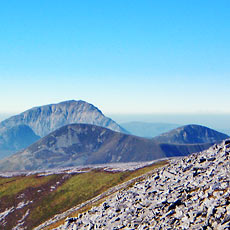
point(45, 119)
point(191, 193)
point(16, 138)
point(82, 144)
point(29, 199)
point(191, 134)
point(146, 129)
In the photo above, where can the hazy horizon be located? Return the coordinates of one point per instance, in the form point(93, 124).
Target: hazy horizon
point(215, 121)
point(220, 122)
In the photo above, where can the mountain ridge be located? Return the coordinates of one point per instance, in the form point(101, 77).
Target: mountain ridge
point(82, 144)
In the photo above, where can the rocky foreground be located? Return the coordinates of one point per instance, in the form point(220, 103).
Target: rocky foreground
point(191, 193)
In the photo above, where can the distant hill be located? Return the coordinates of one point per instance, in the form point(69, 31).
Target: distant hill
point(146, 129)
point(82, 144)
point(16, 138)
point(43, 120)
point(191, 134)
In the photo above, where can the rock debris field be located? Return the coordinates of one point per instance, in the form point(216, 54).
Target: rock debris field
point(190, 193)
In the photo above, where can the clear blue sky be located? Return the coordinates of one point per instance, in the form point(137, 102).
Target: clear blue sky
point(124, 56)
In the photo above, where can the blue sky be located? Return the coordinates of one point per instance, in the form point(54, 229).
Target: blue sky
point(124, 56)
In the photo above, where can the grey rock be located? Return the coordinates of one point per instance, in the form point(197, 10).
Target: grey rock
point(180, 201)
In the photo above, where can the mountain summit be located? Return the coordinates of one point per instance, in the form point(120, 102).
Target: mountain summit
point(45, 119)
point(191, 134)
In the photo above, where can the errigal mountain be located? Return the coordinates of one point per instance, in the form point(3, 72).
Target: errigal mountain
point(191, 134)
point(40, 121)
point(45, 119)
point(82, 144)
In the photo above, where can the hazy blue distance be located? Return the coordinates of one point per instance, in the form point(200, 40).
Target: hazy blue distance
point(220, 122)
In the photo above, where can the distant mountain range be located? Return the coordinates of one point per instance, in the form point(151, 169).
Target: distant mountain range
point(40, 121)
point(146, 129)
point(77, 133)
point(82, 144)
point(191, 134)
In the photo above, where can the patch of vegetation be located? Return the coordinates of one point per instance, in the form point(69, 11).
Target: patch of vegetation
point(12, 186)
point(76, 190)
point(71, 191)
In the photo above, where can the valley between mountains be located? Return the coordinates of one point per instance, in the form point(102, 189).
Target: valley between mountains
point(68, 160)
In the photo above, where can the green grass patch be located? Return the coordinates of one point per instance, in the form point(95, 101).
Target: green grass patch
point(12, 186)
point(76, 190)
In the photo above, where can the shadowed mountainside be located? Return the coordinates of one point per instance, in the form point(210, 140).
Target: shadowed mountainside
point(16, 138)
point(82, 144)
